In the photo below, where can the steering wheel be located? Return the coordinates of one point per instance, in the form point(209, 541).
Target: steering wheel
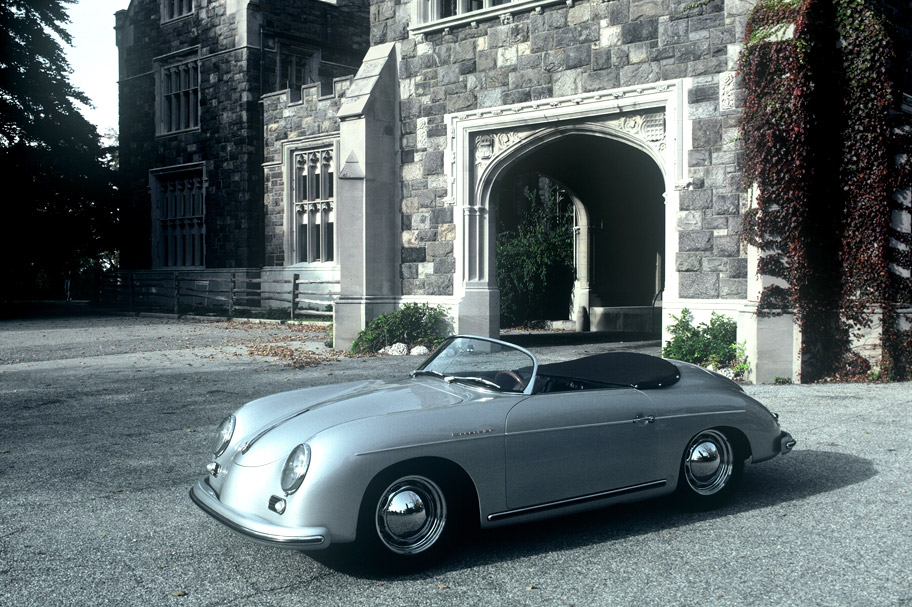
point(513, 375)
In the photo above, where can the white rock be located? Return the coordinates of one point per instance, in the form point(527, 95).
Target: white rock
point(419, 351)
point(397, 349)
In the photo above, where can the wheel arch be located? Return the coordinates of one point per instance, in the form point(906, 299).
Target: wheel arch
point(738, 439)
point(444, 470)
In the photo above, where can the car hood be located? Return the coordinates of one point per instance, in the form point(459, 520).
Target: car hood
point(272, 426)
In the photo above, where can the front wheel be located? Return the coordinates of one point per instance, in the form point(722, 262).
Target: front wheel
point(710, 470)
point(406, 521)
point(411, 515)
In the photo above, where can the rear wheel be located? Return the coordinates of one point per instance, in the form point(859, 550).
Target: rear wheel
point(710, 469)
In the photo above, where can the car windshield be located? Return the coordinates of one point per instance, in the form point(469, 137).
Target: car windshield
point(485, 363)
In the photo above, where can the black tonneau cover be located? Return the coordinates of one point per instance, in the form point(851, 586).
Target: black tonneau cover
point(640, 371)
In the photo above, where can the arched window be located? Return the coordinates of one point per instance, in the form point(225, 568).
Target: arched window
point(314, 206)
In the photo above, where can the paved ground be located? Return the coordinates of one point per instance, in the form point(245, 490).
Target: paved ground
point(105, 422)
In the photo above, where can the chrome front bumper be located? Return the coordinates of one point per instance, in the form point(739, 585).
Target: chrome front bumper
point(255, 528)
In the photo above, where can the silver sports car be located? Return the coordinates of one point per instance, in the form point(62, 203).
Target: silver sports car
point(480, 434)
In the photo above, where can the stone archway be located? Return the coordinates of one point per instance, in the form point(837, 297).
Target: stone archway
point(587, 156)
point(618, 195)
point(484, 144)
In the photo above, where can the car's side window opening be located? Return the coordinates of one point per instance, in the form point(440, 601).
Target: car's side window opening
point(549, 383)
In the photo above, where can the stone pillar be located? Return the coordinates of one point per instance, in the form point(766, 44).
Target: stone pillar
point(773, 342)
point(368, 224)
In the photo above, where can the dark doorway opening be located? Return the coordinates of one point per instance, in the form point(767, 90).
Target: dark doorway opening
point(615, 195)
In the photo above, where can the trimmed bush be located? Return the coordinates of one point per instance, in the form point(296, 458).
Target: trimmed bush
point(703, 344)
point(413, 324)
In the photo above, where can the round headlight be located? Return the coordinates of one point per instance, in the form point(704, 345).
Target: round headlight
point(295, 468)
point(223, 435)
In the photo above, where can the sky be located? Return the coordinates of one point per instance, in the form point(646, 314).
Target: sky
point(93, 58)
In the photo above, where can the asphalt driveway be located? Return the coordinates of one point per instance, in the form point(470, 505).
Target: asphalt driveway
point(105, 422)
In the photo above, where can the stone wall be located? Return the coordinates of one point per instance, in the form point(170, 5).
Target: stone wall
point(227, 140)
point(566, 49)
point(225, 36)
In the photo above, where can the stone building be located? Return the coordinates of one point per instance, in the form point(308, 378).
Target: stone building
point(192, 74)
point(393, 178)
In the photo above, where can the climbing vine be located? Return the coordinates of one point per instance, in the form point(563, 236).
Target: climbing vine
point(820, 154)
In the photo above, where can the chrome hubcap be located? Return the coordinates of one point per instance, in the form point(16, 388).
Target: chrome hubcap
point(411, 515)
point(708, 462)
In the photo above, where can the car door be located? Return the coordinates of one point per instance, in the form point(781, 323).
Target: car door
point(566, 445)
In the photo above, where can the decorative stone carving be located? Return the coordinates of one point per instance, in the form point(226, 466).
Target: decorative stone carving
point(653, 127)
point(727, 91)
point(647, 127)
point(422, 136)
point(506, 18)
point(489, 145)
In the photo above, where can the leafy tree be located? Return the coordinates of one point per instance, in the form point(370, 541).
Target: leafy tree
point(63, 217)
point(535, 262)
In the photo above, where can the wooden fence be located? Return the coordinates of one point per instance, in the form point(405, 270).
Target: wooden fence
point(232, 293)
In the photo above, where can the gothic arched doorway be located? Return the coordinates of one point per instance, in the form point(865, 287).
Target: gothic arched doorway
point(618, 246)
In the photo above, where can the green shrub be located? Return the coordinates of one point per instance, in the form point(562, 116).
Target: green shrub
point(713, 343)
point(535, 262)
point(413, 324)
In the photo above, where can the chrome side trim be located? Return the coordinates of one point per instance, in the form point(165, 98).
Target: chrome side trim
point(622, 422)
point(730, 412)
point(444, 441)
point(574, 501)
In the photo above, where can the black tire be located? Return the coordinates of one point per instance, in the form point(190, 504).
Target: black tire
point(711, 469)
point(406, 519)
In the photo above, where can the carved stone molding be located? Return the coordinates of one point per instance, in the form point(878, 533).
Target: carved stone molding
point(727, 86)
point(322, 205)
point(489, 145)
point(648, 127)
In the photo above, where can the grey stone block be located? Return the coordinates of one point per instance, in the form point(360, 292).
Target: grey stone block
point(708, 92)
point(698, 285)
point(726, 204)
point(433, 161)
point(640, 31)
point(697, 240)
point(445, 265)
point(716, 265)
point(601, 59)
point(727, 246)
point(642, 73)
point(414, 254)
point(647, 8)
point(690, 220)
point(688, 262)
point(707, 132)
point(737, 267)
point(695, 199)
point(732, 288)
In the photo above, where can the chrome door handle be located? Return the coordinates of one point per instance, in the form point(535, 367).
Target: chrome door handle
point(644, 419)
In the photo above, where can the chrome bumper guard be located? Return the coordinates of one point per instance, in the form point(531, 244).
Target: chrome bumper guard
point(786, 443)
point(255, 528)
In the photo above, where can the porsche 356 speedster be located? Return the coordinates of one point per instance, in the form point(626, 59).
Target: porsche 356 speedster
point(480, 434)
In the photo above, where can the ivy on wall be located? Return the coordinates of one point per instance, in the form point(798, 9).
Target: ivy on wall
point(822, 149)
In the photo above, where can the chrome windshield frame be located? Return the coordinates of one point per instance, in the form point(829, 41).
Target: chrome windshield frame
point(530, 385)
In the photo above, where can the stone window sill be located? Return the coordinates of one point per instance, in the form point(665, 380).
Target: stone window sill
point(485, 14)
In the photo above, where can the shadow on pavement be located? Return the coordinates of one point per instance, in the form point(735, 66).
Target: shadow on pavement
point(792, 478)
point(45, 309)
